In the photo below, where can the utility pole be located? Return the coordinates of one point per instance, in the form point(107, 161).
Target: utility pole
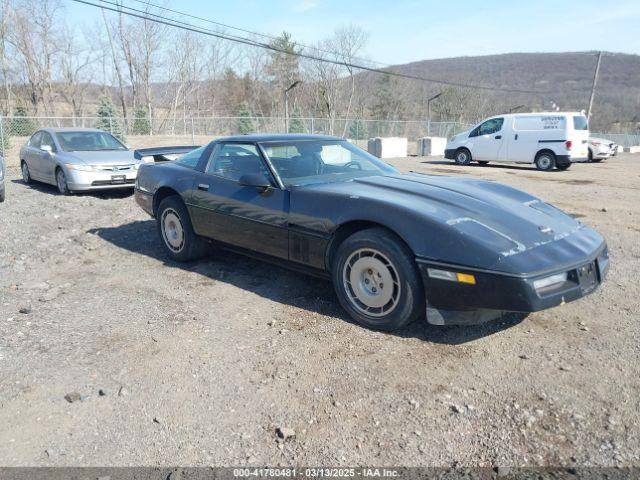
point(286, 104)
point(593, 88)
point(429, 112)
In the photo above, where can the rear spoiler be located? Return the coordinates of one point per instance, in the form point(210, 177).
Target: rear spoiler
point(159, 154)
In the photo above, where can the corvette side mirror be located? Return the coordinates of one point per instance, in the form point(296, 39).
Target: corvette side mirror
point(256, 180)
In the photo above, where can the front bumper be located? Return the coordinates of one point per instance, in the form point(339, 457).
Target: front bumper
point(496, 292)
point(449, 153)
point(101, 180)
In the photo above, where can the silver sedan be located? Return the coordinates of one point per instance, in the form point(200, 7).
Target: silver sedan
point(78, 159)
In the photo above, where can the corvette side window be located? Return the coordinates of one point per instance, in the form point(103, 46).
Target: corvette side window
point(191, 159)
point(233, 160)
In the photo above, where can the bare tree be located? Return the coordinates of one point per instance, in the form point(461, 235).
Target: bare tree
point(349, 42)
point(36, 41)
point(75, 73)
point(116, 66)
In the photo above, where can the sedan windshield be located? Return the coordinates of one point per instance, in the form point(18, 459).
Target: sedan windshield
point(305, 162)
point(88, 141)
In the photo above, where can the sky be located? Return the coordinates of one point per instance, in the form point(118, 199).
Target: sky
point(401, 31)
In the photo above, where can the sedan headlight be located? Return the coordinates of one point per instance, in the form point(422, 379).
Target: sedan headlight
point(80, 167)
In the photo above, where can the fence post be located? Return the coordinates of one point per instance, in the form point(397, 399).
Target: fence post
point(2, 136)
point(193, 133)
point(110, 126)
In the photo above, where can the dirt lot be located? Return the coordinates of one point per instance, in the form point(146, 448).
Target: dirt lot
point(200, 363)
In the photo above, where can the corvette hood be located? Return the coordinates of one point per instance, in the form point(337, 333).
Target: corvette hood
point(509, 219)
point(470, 222)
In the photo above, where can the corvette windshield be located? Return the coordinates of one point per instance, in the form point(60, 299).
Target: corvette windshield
point(88, 141)
point(305, 162)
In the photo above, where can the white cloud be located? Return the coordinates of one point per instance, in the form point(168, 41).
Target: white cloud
point(305, 5)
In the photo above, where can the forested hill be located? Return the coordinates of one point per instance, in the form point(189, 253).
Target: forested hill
point(564, 77)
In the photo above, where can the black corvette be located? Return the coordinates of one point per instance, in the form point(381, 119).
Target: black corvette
point(396, 246)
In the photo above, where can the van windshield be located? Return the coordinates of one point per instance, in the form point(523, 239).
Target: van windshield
point(580, 123)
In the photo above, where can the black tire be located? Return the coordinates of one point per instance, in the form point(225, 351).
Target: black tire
point(61, 182)
point(462, 156)
point(564, 166)
point(483, 162)
point(26, 175)
point(363, 252)
point(185, 245)
point(590, 155)
point(545, 161)
point(596, 160)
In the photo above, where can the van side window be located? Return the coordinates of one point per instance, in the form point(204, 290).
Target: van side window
point(491, 126)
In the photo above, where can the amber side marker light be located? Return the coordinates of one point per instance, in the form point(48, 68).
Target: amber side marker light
point(451, 276)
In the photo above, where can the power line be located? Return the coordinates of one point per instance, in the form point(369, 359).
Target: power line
point(252, 32)
point(193, 28)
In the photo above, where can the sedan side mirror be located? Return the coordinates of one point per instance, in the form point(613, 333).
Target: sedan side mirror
point(46, 148)
point(256, 180)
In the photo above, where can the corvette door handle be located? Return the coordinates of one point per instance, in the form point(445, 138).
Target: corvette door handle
point(203, 186)
point(498, 137)
point(516, 137)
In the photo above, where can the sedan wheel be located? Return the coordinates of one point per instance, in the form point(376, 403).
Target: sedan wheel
point(26, 176)
point(377, 281)
point(61, 182)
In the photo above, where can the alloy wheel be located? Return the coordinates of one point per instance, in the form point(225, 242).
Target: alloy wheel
point(371, 282)
point(172, 230)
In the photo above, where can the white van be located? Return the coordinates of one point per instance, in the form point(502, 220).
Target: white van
point(554, 139)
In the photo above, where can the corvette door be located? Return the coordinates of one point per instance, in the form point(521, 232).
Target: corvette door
point(243, 216)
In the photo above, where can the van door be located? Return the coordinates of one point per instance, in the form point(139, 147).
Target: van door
point(578, 133)
point(488, 140)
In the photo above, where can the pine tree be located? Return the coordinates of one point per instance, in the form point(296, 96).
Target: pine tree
point(296, 125)
point(107, 118)
point(21, 126)
point(141, 124)
point(245, 122)
point(5, 138)
point(358, 129)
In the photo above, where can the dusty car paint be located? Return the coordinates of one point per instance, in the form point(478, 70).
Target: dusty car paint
point(505, 236)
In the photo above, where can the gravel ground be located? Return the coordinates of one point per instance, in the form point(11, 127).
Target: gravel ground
point(199, 364)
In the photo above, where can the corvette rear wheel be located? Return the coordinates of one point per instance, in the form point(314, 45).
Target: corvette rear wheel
point(179, 240)
point(377, 281)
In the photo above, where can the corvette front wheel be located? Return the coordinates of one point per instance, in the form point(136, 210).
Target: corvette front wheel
point(377, 281)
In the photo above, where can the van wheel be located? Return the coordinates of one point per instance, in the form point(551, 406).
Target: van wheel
point(483, 162)
point(545, 161)
point(462, 156)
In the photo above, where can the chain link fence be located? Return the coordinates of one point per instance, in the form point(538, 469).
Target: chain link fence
point(146, 132)
point(14, 131)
